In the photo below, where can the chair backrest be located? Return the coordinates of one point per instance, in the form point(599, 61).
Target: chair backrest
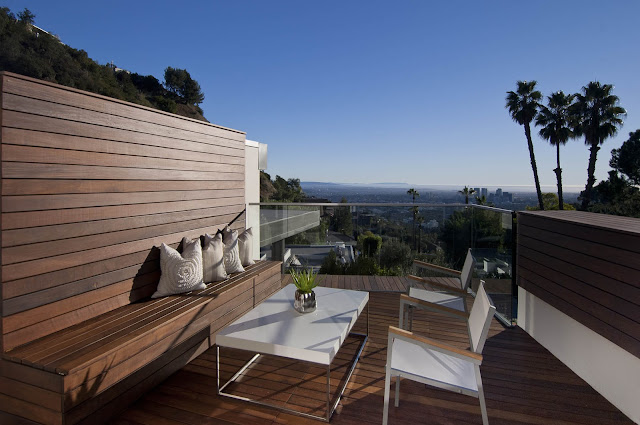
point(467, 271)
point(480, 319)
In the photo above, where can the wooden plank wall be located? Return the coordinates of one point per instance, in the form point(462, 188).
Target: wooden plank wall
point(89, 186)
point(587, 266)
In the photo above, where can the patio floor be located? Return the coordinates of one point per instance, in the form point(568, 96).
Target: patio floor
point(524, 383)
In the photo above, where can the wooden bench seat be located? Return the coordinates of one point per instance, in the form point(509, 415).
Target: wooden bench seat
point(89, 366)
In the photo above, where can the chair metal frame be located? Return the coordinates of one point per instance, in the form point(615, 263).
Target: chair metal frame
point(409, 302)
point(477, 337)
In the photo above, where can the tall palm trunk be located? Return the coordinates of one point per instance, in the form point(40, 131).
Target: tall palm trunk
point(591, 178)
point(527, 132)
point(414, 229)
point(558, 172)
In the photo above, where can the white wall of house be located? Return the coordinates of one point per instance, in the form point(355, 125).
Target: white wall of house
point(609, 369)
point(252, 190)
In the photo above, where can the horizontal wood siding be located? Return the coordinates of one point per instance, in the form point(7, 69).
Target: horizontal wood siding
point(91, 186)
point(587, 266)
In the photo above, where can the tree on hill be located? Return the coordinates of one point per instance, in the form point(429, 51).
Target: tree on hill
point(551, 202)
point(26, 17)
point(280, 190)
point(523, 107)
point(597, 116)
point(396, 256)
point(619, 194)
point(342, 221)
point(37, 54)
point(266, 187)
point(369, 244)
point(626, 159)
point(180, 83)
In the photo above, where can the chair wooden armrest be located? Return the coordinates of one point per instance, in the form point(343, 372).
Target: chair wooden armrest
point(431, 306)
point(447, 288)
point(437, 345)
point(441, 269)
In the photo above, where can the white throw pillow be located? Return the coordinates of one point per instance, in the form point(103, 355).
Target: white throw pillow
point(213, 259)
point(245, 247)
point(180, 272)
point(232, 262)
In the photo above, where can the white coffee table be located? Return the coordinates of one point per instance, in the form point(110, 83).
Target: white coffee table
point(275, 328)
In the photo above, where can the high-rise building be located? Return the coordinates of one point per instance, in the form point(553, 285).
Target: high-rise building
point(483, 192)
point(499, 193)
point(476, 191)
point(506, 196)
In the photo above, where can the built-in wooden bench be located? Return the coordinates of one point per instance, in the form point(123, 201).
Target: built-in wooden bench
point(90, 185)
point(91, 370)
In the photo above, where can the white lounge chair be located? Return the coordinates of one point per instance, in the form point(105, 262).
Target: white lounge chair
point(438, 364)
point(446, 299)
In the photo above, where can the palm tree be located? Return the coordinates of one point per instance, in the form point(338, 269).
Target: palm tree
point(467, 191)
point(420, 221)
point(523, 106)
point(556, 128)
point(597, 117)
point(414, 194)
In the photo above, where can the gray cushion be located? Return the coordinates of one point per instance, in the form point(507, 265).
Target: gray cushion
point(213, 259)
point(245, 247)
point(232, 263)
point(180, 272)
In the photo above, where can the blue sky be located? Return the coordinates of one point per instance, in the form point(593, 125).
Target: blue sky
point(372, 91)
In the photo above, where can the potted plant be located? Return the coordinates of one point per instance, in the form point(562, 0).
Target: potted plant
point(305, 281)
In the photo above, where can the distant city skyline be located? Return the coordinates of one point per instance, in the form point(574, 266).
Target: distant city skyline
point(512, 188)
point(363, 92)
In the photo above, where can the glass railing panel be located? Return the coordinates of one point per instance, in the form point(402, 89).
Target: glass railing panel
point(385, 239)
point(493, 250)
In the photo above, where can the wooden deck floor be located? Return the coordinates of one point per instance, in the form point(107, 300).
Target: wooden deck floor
point(524, 383)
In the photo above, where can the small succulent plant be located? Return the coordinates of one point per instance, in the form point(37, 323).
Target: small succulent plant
point(305, 279)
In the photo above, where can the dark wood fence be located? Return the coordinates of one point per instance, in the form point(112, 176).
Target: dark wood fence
point(587, 266)
point(89, 185)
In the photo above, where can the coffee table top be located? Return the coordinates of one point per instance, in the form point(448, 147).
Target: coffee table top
point(274, 327)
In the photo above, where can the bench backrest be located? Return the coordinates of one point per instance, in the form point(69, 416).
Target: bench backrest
point(89, 186)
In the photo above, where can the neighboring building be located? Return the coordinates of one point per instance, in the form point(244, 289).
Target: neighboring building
point(39, 31)
point(116, 69)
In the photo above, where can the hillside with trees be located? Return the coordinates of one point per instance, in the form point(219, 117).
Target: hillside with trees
point(34, 52)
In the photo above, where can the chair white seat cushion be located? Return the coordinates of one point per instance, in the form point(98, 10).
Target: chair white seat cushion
point(443, 370)
point(441, 298)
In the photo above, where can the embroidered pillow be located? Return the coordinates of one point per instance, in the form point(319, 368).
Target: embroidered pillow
point(213, 258)
point(232, 262)
point(245, 247)
point(180, 272)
